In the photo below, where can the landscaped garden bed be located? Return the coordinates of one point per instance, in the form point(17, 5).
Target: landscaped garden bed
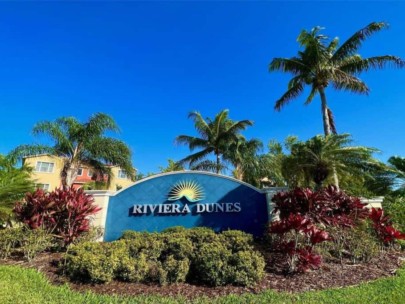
point(322, 239)
point(330, 275)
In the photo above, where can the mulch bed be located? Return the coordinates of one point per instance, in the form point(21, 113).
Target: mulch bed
point(328, 276)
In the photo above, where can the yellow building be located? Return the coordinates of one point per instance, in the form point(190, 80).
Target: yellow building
point(47, 168)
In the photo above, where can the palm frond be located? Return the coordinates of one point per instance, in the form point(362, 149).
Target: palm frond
point(377, 62)
point(351, 45)
point(29, 150)
point(288, 96)
point(347, 82)
point(292, 65)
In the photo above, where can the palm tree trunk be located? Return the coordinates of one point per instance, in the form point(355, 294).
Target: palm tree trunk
point(327, 128)
point(218, 161)
point(325, 115)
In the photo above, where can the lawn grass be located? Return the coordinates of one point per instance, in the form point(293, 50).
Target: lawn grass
point(20, 285)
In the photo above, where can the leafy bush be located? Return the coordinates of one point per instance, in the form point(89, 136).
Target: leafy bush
point(211, 264)
point(176, 269)
point(94, 262)
point(9, 241)
point(395, 207)
point(358, 244)
point(302, 211)
point(236, 240)
point(170, 257)
point(62, 212)
point(328, 206)
point(246, 267)
point(298, 237)
point(383, 227)
point(24, 242)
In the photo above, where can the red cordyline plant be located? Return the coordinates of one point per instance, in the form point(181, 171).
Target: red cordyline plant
point(301, 257)
point(383, 227)
point(328, 206)
point(63, 212)
point(300, 209)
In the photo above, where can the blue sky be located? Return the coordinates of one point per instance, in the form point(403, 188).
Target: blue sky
point(148, 64)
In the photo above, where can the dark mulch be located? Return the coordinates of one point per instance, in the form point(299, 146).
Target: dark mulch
point(329, 275)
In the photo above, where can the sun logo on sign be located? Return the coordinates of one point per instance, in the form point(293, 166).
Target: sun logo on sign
point(188, 189)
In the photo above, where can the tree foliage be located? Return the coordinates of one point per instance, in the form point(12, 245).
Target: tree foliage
point(14, 183)
point(311, 164)
point(81, 144)
point(216, 136)
point(322, 62)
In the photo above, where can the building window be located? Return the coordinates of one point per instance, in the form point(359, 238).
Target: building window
point(80, 171)
point(44, 167)
point(44, 187)
point(90, 172)
point(122, 174)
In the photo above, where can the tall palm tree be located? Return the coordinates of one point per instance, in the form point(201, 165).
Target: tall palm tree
point(14, 183)
point(81, 144)
point(322, 63)
point(216, 137)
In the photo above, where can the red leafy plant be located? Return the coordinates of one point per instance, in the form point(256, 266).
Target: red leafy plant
point(328, 206)
point(300, 210)
point(63, 212)
point(305, 235)
point(383, 227)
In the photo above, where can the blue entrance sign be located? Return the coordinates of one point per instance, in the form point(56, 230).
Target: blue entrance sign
point(189, 199)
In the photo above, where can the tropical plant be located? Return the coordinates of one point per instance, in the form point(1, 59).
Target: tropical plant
point(383, 227)
point(398, 164)
point(216, 136)
point(243, 156)
point(63, 212)
point(81, 144)
point(322, 63)
point(14, 183)
point(316, 160)
point(171, 166)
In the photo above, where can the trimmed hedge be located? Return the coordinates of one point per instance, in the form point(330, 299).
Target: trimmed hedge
point(173, 256)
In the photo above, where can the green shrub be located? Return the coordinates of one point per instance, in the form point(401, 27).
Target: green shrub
point(211, 264)
point(359, 244)
point(175, 229)
point(180, 247)
point(174, 256)
point(130, 235)
point(202, 235)
point(395, 208)
point(24, 242)
point(34, 242)
point(94, 234)
point(156, 273)
point(236, 240)
point(246, 268)
point(94, 262)
point(9, 240)
point(133, 269)
point(177, 270)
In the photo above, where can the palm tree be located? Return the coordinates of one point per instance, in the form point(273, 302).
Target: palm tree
point(321, 64)
point(316, 159)
point(14, 183)
point(216, 136)
point(171, 166)
point(243, 156)
point(398, 165)
point(81, 144)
